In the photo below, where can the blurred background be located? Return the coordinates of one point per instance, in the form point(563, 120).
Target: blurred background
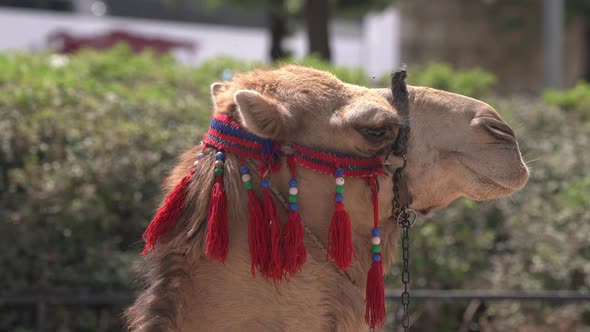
point(97, 98)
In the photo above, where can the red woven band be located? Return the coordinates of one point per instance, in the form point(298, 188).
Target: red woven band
point(228, 135)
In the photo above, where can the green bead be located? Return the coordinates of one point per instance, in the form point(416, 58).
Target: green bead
point(340, 189)
point(292, 198)
point(248, 185)
point(376, 249)
point(218, 171)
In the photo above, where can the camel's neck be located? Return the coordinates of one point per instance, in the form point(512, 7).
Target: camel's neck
point(317, 298)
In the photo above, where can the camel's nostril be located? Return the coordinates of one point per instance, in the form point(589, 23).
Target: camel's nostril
point(501, 130)
point(497, 128)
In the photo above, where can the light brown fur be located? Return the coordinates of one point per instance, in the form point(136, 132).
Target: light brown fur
point(450, 155)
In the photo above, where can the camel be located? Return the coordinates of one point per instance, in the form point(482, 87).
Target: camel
point(457, 146)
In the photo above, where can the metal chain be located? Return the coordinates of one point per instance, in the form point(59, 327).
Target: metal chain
point(403, 219)
point(405, 224)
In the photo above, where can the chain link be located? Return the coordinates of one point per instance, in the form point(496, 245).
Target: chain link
point(405, 224)
point(403, 218)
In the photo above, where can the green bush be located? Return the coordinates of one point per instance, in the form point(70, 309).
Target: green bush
point(474, 82)
point(84, 144)
point(576, 99)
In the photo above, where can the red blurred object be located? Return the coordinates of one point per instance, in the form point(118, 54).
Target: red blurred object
point(64, 42)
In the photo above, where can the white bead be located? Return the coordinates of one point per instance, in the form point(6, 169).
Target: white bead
point(293, 191)
point(195, 163)
point(340, 181)
point(246, 177)
point(376, 240)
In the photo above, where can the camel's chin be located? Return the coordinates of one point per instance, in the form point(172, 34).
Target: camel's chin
point(515, 180)
point(486, 183)
point(485, 188)
point(497, 193)
point(472, 185)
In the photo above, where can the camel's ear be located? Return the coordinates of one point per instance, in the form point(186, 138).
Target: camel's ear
point(262, 116)
point(216, 88)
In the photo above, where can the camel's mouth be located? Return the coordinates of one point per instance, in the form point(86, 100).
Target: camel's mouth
point(496, 180)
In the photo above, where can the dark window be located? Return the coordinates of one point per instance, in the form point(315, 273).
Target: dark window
point(56, 5)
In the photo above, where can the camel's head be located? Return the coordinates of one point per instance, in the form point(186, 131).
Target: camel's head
point(458, 146)
point(312, 108)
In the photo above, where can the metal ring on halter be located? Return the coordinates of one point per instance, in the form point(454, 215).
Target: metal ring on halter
point(389, 167)
point(411, 213)
point(288, 149)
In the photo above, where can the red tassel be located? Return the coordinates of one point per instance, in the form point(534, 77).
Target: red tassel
point(217, 229)
point(375, 303)
point(340, 247)
point(295, 255)
point(375, 293)
point(167, 215)
point(274, 268)
point(258, 234)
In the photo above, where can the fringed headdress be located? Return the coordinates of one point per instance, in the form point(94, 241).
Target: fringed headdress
point(277, 252)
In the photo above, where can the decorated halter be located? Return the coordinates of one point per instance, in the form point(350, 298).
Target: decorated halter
point(278, 252)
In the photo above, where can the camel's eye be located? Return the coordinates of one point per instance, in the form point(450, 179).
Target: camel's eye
point(376, 132)
point(376, 135)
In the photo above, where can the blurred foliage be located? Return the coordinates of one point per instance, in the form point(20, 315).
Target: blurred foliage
point(576, 99)
point(86, 140)
point(473, 82)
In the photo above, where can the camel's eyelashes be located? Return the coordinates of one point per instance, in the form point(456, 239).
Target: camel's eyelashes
point(377, 132)
point(377, 135)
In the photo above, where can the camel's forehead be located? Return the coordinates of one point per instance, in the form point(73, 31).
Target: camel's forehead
point(289, 79)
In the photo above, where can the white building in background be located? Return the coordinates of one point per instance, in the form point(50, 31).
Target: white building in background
point(373, 44)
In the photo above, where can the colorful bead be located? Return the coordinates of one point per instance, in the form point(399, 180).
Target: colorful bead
point(292, 199)
point(293, 183)
point(293, 191)
point(376, 248)
point(244, 170)
point(339, 181)
point(339, 189)
point(246, 178)
point(220, 156)
point(339, 172)
point(248, 185)
point(339, 198)
point(218, 171)
point(218, 164)
point(265, 183)
point(293, 207)
point(195, 163)
point(376, 240)
point(376, 258)
point(200, 155)
point(375, 231)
